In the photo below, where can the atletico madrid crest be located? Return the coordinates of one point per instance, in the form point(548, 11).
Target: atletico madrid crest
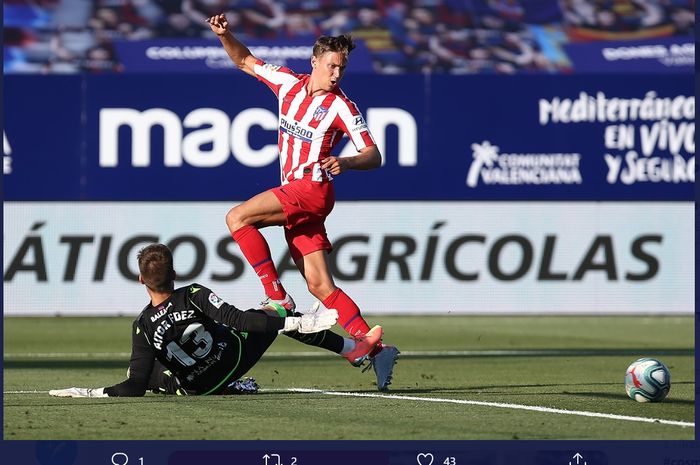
point(320, 113)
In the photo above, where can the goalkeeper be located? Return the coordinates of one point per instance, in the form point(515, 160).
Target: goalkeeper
point(188, 341)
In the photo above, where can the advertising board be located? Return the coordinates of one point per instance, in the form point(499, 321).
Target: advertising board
point(156, 137)
point(440, 258)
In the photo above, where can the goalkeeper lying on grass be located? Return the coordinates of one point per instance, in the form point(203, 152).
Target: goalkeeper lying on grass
point(187, 341)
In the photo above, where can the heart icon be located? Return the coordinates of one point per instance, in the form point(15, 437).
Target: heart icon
point(425, 459)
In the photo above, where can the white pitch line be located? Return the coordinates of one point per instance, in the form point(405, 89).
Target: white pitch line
point(14, 355)
point(25, 392)
point(534, 408)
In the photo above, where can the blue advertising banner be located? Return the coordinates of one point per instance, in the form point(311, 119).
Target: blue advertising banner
point(43, 135)
point(205, 55)
point(660, 55)
point(214, 137)
point(553, 138)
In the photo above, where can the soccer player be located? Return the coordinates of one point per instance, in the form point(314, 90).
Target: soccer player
point(188, 341)
point(313, 115)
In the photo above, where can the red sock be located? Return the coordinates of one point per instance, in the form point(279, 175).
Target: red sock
point(257, 252)
point(348, 313)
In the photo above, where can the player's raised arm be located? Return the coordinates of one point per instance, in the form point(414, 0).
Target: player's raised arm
point(236, 50)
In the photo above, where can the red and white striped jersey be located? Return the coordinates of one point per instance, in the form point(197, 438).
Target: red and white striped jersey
point(309, 127)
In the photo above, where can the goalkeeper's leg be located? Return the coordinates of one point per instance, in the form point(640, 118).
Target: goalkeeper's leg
point(324, 339)
point(354, 350)
point(162, 381)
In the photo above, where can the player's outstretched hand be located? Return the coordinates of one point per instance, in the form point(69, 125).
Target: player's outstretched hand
point(78, 392)
point(320, 320)
point(314, 308)
point(218, 24)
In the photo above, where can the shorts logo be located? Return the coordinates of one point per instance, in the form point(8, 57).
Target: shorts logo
point(320, 113)
point(215, 300)
point(359, 121)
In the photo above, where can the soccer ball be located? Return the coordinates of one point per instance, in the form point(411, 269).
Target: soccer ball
point(647, 380)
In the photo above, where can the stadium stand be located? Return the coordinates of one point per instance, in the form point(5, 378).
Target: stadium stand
point(450, 36)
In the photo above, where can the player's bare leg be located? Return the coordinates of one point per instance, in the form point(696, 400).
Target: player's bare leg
point(243, 222)
point(261, 210)
point(314, 268)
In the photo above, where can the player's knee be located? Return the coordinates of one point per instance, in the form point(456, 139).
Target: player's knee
point(235, 219)
point(320, 289)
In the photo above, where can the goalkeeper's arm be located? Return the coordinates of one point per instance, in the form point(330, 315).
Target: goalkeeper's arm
point(140, 367)
point(259, 322)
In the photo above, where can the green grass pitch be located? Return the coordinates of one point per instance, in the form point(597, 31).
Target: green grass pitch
point(459, 377)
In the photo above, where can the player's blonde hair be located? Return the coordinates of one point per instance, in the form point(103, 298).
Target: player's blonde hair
point(156, 267)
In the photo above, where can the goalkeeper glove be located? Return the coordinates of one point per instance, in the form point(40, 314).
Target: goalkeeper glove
point(313, 322)
point(78, 392)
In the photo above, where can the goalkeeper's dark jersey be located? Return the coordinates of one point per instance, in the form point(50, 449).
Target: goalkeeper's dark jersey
point(196, 335)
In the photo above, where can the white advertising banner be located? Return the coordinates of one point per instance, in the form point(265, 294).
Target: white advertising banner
point(63, 258)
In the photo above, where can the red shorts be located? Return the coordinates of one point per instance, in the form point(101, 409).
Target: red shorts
point(306, 204)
